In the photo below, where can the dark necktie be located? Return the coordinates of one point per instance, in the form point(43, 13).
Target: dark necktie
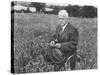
point(60, 30)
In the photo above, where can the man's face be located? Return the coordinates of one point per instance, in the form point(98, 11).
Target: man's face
point(62, 20)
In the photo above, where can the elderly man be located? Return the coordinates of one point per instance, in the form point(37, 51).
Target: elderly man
point(64, 44)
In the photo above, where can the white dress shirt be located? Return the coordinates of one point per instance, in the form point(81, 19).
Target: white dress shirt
point(63, 28)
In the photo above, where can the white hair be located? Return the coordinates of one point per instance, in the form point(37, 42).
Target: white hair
point(63, 12)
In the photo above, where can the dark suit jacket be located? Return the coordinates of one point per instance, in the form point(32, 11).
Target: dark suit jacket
point(68, 39)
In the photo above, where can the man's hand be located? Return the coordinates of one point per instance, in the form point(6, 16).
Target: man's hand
point(58, 45)
point(55, 40)
point(52, 43)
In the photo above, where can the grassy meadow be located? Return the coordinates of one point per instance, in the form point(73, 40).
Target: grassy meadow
point(33, 30)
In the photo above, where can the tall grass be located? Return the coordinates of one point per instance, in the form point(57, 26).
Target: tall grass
point(33, 31)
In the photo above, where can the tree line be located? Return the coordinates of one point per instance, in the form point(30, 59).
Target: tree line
point(73, 10)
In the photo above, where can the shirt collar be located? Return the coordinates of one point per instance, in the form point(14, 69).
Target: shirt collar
point(64, 26)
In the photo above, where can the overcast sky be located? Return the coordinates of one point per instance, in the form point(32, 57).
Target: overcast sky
point(72, 2)
point(76, 2)
point(67, 2)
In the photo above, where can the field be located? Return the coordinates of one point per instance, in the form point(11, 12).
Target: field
point(33, 30)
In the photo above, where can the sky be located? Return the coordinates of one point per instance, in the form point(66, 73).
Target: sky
point(76, 2)
point(67, 2)
point(72, 2)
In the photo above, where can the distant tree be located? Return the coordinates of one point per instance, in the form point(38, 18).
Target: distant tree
point(69, 9)
point(75, 11)
point(78, 11)
point(89, 11)
point(38, 6)
point(56, 9)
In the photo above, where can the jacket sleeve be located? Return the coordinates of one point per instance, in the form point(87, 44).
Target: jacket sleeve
point(72, 43)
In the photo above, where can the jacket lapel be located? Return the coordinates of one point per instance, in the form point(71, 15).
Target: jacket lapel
point(65, 32)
